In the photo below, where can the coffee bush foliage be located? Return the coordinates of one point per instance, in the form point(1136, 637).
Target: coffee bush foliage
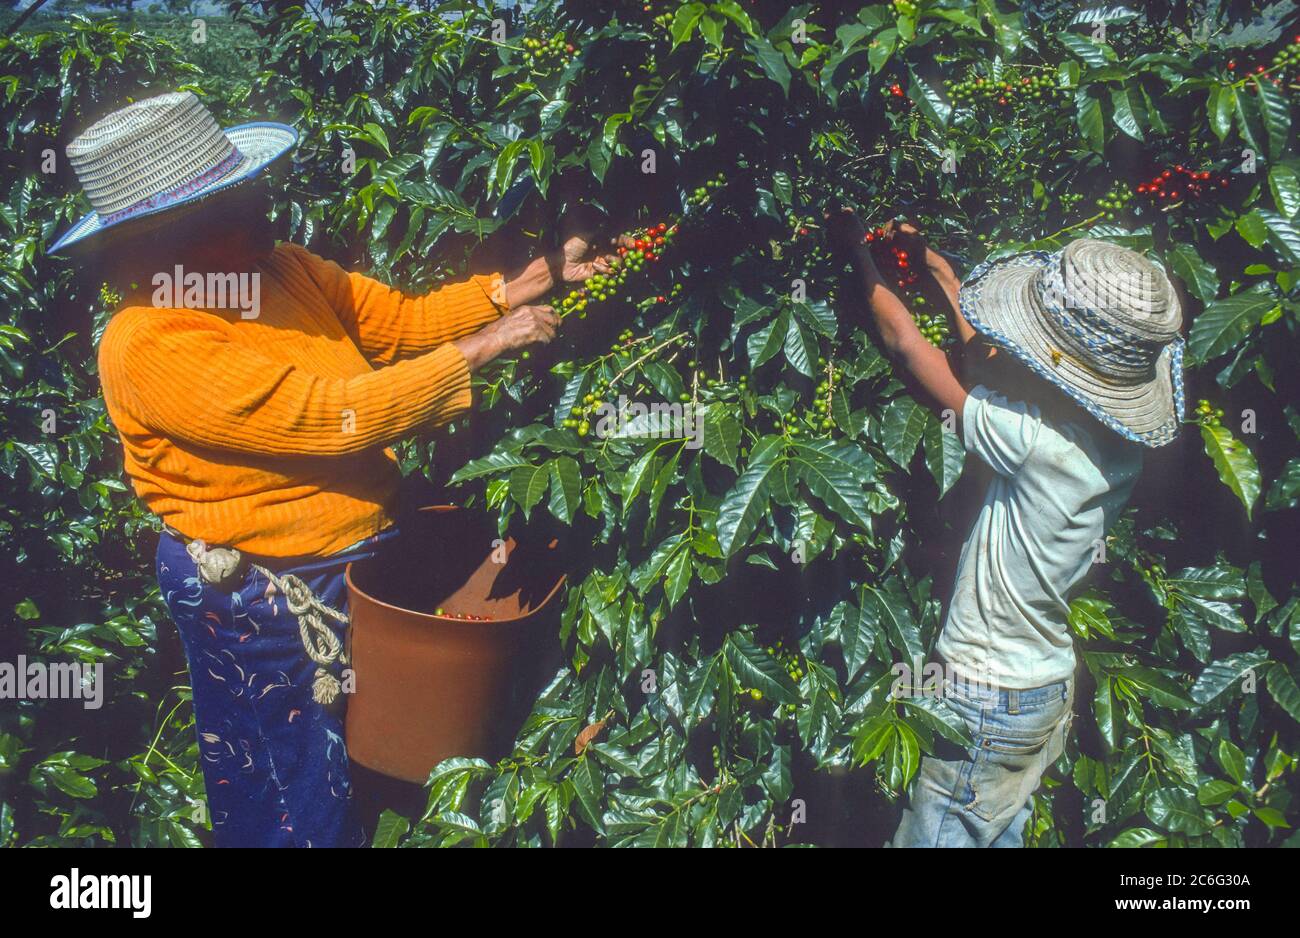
point(734, 611)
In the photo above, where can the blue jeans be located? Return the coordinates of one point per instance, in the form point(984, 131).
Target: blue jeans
point(980, 797)
point(275, 766)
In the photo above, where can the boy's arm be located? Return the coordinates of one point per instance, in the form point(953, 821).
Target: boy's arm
point(942, 272)
point(927, 366)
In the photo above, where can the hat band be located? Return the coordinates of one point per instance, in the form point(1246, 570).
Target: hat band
point(1091, 334)
point(159, 199)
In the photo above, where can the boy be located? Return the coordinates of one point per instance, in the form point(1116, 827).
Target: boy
point(1088, 365)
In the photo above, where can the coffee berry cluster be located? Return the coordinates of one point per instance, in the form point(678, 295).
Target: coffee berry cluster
point(894, 261)
point(1284, 67)
point(934, 326)
point(545, 53)
point(1005, 91)
point(1208, 414)
point(1114, 201)
point(647, 245)
point(463, 616)
point(1180, 183)
point(704, 194)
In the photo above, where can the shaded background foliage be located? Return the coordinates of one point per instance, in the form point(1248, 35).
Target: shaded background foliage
point(464, 155)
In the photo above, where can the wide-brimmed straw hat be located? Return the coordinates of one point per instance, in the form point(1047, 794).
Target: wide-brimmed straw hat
point(161, 153)
point(1097, 320)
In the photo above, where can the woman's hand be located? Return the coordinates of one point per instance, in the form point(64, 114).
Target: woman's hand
point(581, 252)
point(578, 259)
point(519, 328)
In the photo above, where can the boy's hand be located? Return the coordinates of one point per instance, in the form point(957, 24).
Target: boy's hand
point(844, 231)
point(905, 233)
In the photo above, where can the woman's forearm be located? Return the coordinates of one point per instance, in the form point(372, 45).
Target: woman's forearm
point(538, 278)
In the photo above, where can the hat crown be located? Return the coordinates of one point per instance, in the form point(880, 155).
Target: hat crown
point(1110, 307)
point(150, 149)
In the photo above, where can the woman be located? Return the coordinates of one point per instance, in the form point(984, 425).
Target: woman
point(256, 389)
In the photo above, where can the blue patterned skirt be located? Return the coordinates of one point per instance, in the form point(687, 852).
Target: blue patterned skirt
point(274, 762)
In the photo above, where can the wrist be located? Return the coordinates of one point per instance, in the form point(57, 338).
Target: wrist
point(939, 266)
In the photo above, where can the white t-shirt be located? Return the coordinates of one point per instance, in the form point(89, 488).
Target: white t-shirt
point(1056, 491)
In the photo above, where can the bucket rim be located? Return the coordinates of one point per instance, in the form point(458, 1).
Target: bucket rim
point(478, 624)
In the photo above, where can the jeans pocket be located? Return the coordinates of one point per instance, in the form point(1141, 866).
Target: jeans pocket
point(1009, 764)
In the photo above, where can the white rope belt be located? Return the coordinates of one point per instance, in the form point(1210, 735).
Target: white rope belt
point(219, 566)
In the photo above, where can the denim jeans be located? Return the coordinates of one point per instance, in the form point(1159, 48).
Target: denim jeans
point(980, 797)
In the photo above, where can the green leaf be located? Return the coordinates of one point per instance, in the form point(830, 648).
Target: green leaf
point(932, 104)
point(678, 577)
point(1285, 186)
point(1221, 676)
point(1235, 464)
point(1216, 791)
point(566, 488)
point(771, 61)
point(903, 426)
point(830, 474)
point(1283, 235)
point(872, 738)
point(800, 347)
point(1137, 837)
point(528, 485)
point(1092, 53)
point(768, 340)
point(1232, 759)
point(1124, 116)
point(1222, 104)
point(378, 137)
point(1224, 323)
point(721, 435)
point(1199, 275)
point(742, 507)
point(684, 21)
point(1282, 687)
point(1276, 114)
point(70, 781)
point(1089, 118)
point(944, 454)
point(756, 669)
point(1176, 810)
point(588, 787)
point(390, 829)
point(634, 479)
point(495, 463)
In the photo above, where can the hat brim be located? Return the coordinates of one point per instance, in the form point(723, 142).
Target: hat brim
point(1000, 302)
point(261, 143)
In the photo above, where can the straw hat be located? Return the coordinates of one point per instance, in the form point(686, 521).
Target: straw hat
point(160, 153)
point(1097, 320)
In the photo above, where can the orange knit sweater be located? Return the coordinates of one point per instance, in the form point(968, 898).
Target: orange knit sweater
point(270, 434)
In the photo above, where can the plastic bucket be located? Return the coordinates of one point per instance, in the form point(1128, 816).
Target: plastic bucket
point(430, 686)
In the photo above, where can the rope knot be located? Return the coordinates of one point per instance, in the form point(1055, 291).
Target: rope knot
point(218, 565)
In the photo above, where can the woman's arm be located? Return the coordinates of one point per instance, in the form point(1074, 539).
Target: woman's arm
point(179, 374)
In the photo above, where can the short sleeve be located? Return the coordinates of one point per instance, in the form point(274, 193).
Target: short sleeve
point(998, 431)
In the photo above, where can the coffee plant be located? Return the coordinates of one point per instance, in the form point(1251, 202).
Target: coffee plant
point(737, 600)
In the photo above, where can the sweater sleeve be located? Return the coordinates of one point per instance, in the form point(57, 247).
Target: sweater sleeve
point(183, 378)
point(388, 325)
